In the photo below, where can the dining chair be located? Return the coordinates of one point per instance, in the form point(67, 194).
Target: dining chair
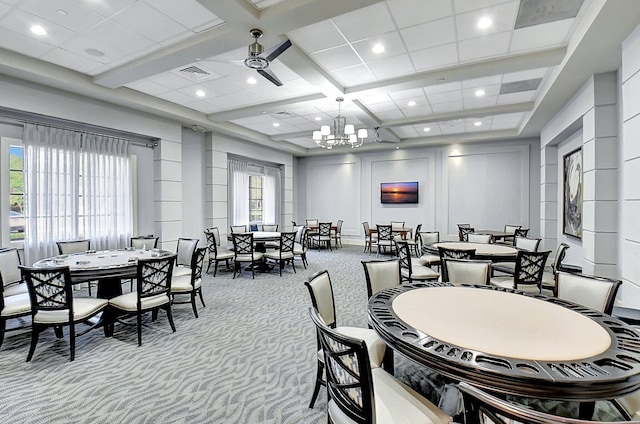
point(323, 236)
point(594, 292)
point(413, 271)
point(519, 232)
point(480, 238)
point(369, 237)
point(14, 293)
point(397, 225)
point(284, 254)
point(360, 393)
point(53, 305)
point(511, 231)
point(337, 234)
point(244, 253)
point(464, 233)
point(427, 239)
point(190, 284)
point(184, 252)
point(215, 252)
point(153, 292)
point(381, 274)
point(268, 227)
point(144, 242)
point(301, 244)
point(483, 407)
point(70, 247)
point(238, 229)
point(321, 293)
point(414, 243)
point(466, 271)
point(385, 239)
point(530, 244)
point(528, 270)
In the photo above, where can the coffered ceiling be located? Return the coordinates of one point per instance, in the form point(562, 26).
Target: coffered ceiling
point(437, 76)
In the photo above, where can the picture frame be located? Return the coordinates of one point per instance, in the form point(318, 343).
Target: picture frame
point(572, 194)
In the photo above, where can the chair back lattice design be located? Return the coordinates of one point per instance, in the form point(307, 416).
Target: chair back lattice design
point(73, 246)
point(416, 237)
point(347, 365)
point(9, 266)
point(243, 243)
point(197, 261)
point(404, 255)
point(212, 245)
point(287, 242)
point(49, 289)
point(144, 242)
point(464, 233)
point(186, 247)
point(304, 238)
point(427, 238)
point(518, 233)
point(321, 293)
point(154, 276)
point(324, 229)
point(529, 268)
point(384, 233)
point(381, 274)
point(446, 253)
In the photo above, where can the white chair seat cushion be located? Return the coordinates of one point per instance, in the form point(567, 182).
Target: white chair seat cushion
point(276, 255)
point(181, 270)
point(321, 238)
point(182, 283)
point(298, 249)
point(385, 242)
point(247, 257)
point(395, 403)
point(224, 254)
point(83, 308)
point(502, 281)
point(15, 305)
point(420, 272)
point(128, 302)
point(428, 259)
point(15, 289)
point(375, 346)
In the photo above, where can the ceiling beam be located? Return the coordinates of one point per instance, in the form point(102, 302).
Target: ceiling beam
point(268, 107)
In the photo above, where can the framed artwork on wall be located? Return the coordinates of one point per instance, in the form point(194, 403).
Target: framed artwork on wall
point(572, 193)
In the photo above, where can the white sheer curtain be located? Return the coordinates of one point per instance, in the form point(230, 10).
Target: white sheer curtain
point(76, 186)
point(271, 195)
point(238, 192)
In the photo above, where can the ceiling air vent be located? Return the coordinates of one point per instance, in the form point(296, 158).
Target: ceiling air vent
point(194, 73)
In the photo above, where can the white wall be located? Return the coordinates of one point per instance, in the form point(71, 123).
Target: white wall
point(488, 185)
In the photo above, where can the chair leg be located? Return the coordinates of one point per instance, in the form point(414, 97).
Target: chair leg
point(319, 382)
point(201, 299)
point(170, 317)
point(387, 361)
point(215, 267)
point(35, 332)
point(193, 303)
point(293, 265)
point(3, 326)
point(58, 330)
point(209, 266)
point(72, 342)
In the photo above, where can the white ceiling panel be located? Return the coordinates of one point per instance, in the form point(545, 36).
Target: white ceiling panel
point(146, 45)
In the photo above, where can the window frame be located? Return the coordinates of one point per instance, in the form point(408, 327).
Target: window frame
point(5, 192)
point(253, 176)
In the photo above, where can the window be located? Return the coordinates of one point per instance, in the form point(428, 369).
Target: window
point(255, 199)
point(16, 192)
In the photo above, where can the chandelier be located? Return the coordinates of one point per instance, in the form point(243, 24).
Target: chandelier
point(342, 134)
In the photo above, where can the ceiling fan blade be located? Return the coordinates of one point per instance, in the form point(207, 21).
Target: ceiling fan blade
point(268, 74)
point(276, 50)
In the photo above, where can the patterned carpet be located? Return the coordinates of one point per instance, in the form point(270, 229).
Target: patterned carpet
point(249, 358)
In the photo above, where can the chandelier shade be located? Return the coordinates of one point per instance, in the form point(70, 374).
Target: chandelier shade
point(341, 133)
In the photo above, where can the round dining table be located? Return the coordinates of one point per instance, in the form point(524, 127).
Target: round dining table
point(487, 251)
point(508, 341)
point(108, 267)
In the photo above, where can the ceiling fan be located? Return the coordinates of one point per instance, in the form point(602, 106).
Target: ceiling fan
point(259, 60)
point(376, 137)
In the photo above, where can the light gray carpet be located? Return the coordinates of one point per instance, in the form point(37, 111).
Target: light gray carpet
point(248, 358)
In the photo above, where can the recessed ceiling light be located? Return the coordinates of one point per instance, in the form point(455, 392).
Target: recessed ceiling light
point(411, 103)
point(94, 52)
point(484, 22)
point(480, 92)
point(397, 148)
point(477, 123)
point(426, 129)
point(62, 12)
point(378, 48)
point(276, 124)
point(317, 118)
point(38, 30)
point(200, 93)
point(252, 80)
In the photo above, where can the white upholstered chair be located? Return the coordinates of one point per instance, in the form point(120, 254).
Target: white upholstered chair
point(14, 296)
point(381, 274)
point(184, 252)
point(480, 238)
point(466, 271)
point(411, 271)
point(597, 293)
point(190, 284)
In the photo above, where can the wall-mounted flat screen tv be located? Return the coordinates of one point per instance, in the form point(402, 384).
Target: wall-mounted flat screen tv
point(405, 192)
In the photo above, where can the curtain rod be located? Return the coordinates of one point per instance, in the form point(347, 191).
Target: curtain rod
point(63, 124)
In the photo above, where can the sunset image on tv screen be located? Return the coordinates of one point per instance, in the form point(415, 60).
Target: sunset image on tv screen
point(406, 192)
